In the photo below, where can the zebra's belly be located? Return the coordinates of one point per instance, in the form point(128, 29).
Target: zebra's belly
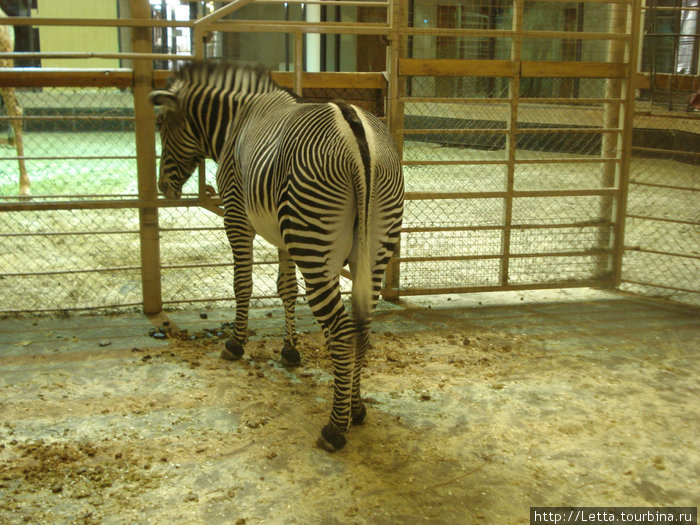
point(266, 224)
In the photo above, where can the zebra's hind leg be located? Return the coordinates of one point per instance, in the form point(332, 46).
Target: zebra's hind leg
point(287, 289)
point(359, 412)
point(328, 309)
point(241, 238)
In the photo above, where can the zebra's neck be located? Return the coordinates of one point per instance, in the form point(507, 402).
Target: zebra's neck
point(216, 114)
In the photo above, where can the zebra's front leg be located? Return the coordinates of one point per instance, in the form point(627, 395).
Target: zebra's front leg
point(241, 239)
point(288, 290)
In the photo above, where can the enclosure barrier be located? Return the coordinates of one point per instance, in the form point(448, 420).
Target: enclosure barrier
point(524, 169)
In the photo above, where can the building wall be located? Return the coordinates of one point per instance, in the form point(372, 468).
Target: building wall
point(84, 39)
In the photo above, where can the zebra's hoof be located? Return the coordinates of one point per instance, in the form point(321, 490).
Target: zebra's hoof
point(290, 356)
point(359, 418)
point(233, 350)
point(331, 440)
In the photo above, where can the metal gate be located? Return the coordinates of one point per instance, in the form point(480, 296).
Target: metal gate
point(527, 164)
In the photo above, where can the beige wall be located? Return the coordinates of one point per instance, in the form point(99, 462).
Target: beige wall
point(78, 39)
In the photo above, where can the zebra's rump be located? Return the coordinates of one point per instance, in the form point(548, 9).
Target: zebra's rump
point(298, 166)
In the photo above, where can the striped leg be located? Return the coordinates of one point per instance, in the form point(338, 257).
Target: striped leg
point(287, 289)
point(359, 412)
point(358, 408)
point(241, 236)
point(327, 307)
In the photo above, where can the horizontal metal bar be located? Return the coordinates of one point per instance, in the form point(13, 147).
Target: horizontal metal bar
point(580, 224)
point(433, 195)
point(99, 22)
point(572, 101)
point(661, 219)
point(448, 258)
point(454, 162)
point(127, 268)
point(83, 54)
point(510, 33)
point(258, 26)
point(622, 2)
point(345, 3)
point(666, 186)
point(521, 131)
point(596, 252)
point(462, 131)
point(587, 253)
point(63, 77)
point(433, 229)
point(84, 157)
point(79, 196)
point(666, 151)
point(426, 195)
point(61, 117)
point(658, 252)
point(72, 309)
point(199, 229)
point(574, 160)
point(218, 299)
point(668, 8)
point(72, 272)
point(58, 234)
point(664, 286)
point(443, 100)
point(28, 205)
point(597, 283)
point(210, 265)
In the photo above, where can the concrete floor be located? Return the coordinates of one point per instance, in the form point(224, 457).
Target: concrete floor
point(102, 423)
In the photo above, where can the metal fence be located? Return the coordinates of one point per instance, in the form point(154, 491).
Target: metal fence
point(525, 161)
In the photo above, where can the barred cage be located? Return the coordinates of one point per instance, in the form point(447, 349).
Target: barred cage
point(535, 154)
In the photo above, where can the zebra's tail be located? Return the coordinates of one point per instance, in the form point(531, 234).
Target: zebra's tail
point(362, 278)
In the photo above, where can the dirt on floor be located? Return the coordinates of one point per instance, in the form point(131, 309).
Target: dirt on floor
point(465, 425)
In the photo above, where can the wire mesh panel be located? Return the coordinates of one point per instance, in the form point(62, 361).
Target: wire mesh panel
point(512, 121)
point(512, 116)
point(78, 147)
point(662, 233)
point(67, 259)
point(77, 141)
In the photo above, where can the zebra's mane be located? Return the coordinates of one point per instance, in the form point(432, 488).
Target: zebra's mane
point(228, 76)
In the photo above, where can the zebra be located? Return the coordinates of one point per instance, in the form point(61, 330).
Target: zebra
point(320, 181)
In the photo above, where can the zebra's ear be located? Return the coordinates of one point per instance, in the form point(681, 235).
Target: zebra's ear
point(163, 98)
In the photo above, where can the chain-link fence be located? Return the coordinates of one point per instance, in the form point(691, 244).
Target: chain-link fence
point(515, 131)
point(512, 143)
point(79, 150)
point(78, 147)
point(662, 234)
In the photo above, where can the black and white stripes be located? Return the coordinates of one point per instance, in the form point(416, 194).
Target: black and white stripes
point(322, 182)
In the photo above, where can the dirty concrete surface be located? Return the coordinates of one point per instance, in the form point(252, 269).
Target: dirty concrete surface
point(479, 407)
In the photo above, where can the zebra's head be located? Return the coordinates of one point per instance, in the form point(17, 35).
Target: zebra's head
point(181, 149)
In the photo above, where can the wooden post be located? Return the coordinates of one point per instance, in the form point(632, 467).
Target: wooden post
point(298, 62)
point(395, 122)
point(512, 139)
point(610, 141)
point(626, 147)
point(145, 131)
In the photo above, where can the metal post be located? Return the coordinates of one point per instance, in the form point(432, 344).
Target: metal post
point(395, 122)
point(626, 147)
point(146, 162)
point(610, 147)
point(298, 62)
point(512, 140)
